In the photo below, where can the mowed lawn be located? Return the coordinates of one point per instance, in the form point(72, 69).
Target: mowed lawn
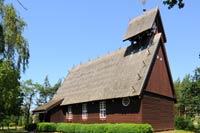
point(176, 131)
point(13, 130)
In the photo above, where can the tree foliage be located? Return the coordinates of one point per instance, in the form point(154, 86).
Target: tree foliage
point(188, 93)
point(172, 3)
point(10, 94)
point(35, 94)
point(29, 92)
point(14, 56)
point(13, 46)
point(46, 91)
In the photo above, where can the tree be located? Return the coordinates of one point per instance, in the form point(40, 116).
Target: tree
point(182, 93)
point(189, 94)
point(10, 94)
point(13, 46)
point(55, 88)
point(195, 93)
point(14, 56)
point(46, 91)
point(172, 3)
point(29, 92)
point(177, 86)
point(36, 94)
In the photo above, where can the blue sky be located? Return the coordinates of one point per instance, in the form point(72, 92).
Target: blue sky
point(64, 33)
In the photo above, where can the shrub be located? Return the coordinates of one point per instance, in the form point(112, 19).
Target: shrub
point(66, 128)
point(130, 128)
point(94, 128)
point(182, 123)
point(190, 125)
point(30, 127)
point(46, 127)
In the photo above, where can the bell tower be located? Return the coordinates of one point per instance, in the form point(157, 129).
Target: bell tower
point(141, 30)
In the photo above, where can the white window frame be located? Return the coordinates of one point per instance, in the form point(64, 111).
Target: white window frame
point(84, 111)
point(69, 113)
point(102, 110)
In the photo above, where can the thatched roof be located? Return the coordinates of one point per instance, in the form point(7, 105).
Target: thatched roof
point(114, 75)
point(47, 106)
point(143, 23)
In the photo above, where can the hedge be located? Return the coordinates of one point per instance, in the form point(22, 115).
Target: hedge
point(46, 127)
point(94, 128)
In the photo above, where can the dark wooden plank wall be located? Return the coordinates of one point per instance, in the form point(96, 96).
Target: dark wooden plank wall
point(159, 112)
point(159, 81)
point(158, 104)
point(116, 112)
point(57, 115)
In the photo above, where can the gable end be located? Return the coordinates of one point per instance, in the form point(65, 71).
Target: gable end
point(160, 80)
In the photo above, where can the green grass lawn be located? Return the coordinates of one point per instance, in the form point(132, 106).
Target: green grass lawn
point(13, 131)
point(176, 131)
point(181, 131)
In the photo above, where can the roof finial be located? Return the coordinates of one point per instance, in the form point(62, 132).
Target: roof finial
point(143, 3)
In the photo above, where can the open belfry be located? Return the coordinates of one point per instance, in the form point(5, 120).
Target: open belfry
point(131, 85)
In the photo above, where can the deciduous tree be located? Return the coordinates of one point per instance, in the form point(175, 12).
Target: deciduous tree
point(14, 56)
point(13, 46)
point(29, 91)
point(10, 94)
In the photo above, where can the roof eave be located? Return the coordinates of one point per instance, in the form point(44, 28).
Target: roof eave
point(129, 38)
point(45, 110)
point(39, 111)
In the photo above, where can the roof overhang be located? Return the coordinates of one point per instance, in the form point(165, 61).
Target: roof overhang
point(48, 106)
point(144, 23)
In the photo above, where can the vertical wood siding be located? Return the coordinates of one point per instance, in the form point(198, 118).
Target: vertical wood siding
point(159, 81)
point(57, 115)
point(158, 112)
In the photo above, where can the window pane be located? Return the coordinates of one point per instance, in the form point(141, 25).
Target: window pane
point(102, 109)
point(84, 111)
point(70, 115)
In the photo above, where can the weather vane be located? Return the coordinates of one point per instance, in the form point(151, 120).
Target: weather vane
point(143, 2)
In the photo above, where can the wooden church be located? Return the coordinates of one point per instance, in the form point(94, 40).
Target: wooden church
point(130, 85)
